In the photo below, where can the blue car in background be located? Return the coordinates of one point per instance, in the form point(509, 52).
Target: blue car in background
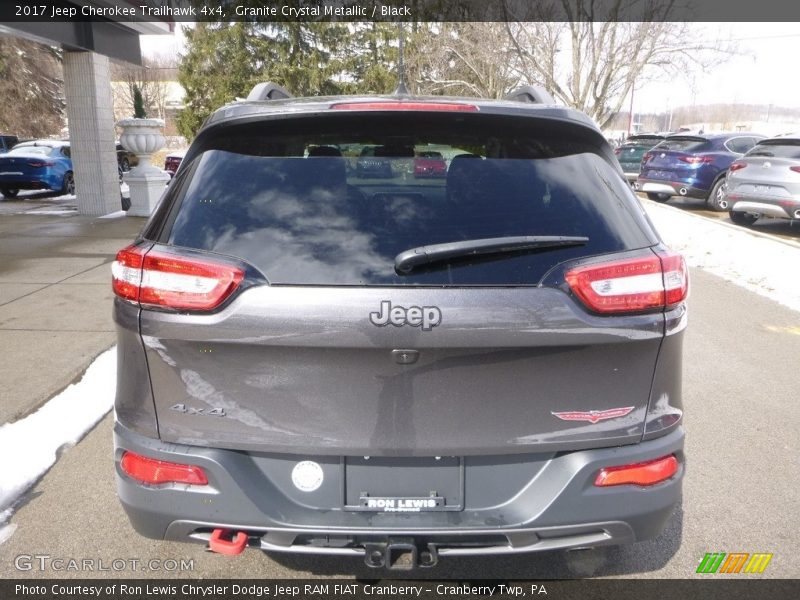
point(37, 165)
point(693, 166)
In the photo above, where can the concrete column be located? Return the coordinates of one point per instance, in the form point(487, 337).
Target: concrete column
point(91, 131)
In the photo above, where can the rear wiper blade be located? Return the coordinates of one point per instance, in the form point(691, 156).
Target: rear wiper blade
point(408, 260)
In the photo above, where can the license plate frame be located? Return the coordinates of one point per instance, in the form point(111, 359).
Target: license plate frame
point(403, 485)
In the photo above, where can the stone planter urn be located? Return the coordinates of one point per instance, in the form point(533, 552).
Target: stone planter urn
point(146, 182)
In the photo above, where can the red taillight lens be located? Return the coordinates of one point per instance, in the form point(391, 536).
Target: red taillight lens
point(175, 282)
point(795, 169)
point(37, 164)
point(152, 471)
point(632, 285)
point(696, 160)
point(390, 105)
point(643, 474)
point(647, 156)
point(617, 151)
point(736, 166)
point(126, 273)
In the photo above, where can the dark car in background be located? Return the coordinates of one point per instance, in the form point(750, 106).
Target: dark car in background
point(7, 142)
point(429, 163)
point(310, 362)
point(693, 166)
point(173, 160)
point(125, 158)
point(765, 182)
point(630, 153)
point(37, 165)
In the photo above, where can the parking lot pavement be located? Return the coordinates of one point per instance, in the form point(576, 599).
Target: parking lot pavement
point(55, 298)
point(740, 492)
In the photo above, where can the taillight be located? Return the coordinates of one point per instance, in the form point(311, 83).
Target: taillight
point(795, 169)
point(168, 281)
point(647, 156)
point(736, 166)
point(642, 474)
point(631, 285)
point(126, 273)
point(391, 105)
point(696, 160)
point(617, 151)
point(154, 472)
point(37, 164)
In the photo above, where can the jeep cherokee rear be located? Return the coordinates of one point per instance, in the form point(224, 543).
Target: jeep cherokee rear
point(312, 362)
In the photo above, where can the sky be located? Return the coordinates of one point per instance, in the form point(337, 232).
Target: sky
point(763, 69)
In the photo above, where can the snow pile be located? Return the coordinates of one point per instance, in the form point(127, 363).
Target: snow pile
point(756, 262)
point(30, 446)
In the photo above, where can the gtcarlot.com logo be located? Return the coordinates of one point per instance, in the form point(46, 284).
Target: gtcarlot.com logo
point(735, 562)
point(45, 562)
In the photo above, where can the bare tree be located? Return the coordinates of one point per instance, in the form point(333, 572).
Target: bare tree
point(594, 66)
point(152, 78)
point(31, 88)
point(472, 59)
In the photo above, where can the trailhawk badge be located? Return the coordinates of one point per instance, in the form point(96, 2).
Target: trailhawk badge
point(426, 317)
point(593, 416)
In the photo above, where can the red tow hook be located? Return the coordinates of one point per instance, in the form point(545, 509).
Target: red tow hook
point(221, 545)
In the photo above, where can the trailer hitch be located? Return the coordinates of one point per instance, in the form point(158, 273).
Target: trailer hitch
point(401, 554)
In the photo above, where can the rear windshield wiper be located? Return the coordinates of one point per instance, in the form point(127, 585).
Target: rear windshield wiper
point(408, 260)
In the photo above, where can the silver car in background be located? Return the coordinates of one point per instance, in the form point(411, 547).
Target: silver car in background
point(766, 181)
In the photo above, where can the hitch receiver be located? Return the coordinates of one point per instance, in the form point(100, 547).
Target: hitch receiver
point(400, 554)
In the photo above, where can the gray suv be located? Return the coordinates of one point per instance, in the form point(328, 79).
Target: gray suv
point(398, 369)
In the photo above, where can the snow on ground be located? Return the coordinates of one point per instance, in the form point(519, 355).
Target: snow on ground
point(30, 446)
point(759, 263)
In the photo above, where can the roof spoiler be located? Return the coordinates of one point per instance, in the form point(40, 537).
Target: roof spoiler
point(268, 91)
point(533, 94)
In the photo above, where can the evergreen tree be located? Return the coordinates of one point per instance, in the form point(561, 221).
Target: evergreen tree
point(138, 104)
point(224, 61)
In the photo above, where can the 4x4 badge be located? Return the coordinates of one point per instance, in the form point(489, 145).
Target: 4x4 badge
point(593, 416)
point(426, 317)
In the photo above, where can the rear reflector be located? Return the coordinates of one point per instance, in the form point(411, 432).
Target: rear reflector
point(152, 471)
point(645, 473)
point(390, 105)
point(169, 281)
point(632, 285)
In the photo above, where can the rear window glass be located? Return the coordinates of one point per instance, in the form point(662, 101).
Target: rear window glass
point(685, 144)
point(644, 141)
point(43, 150)
point(304, 210)
point(783, 149)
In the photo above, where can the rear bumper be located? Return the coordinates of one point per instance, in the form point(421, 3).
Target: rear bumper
point(673, 188)
point(29, 184)
point(630, 175)
point(781, 209)
point(516, 503)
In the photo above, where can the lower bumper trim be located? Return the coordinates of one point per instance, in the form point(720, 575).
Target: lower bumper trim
point(451, 542)
point(762, 208)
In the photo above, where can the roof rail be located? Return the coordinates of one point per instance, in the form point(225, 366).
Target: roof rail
point(534, 94)
point(267, 91)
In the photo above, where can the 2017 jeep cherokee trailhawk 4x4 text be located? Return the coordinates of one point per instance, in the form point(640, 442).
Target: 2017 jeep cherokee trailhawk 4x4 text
point(485, 362)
